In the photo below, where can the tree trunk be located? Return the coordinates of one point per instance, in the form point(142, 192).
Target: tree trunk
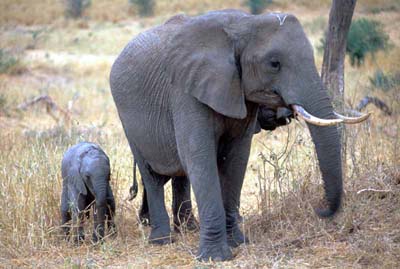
point(335, 49)
point(332, 72)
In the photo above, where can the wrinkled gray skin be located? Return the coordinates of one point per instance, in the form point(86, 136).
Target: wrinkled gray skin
point(181, 206)
point(188, 92)
point(267, 119)
point(86, 175)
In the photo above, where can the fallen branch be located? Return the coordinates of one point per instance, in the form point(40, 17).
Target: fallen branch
point(377, 102)
point(373, 190)
point(51, 107)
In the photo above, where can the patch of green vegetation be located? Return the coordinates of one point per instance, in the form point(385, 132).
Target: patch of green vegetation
point(75, 8)
point(385, 81)
point(257, 6)
point(8, 62)
point(365, 36)
point(145, 7)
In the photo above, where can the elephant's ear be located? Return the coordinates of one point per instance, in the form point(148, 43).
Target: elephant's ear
point(202, 62)
point(75, 180)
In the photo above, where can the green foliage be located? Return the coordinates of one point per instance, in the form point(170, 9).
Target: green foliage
point(3, 102)
point(365, 36)
point(257, 6)
point(145, 7)
point(8, 62)
point(383, 81)
point(74, 8)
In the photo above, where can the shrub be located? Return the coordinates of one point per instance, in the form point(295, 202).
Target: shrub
point(8, 62)
point(383, 81)
point(257, 6)
point(365, 36)
point(145, 7)
point(74, 8)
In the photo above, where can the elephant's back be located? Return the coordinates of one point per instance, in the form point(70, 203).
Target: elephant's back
point(140, 64)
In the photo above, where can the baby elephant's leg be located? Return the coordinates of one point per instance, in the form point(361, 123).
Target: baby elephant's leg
point(110, 213)
point(65, 212)
point(78, 215)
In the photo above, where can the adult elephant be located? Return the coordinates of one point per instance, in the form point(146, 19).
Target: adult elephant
point(267, 119)
point(187, 93)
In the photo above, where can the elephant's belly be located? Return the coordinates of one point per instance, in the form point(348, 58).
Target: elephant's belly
point(173, 169)
point(154, 138)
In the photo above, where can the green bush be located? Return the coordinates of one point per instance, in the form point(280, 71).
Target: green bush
point(383, 81)
point(8, 62)
point(257, 6)
point(365, 36)
point(145, 7)
point(74, 8)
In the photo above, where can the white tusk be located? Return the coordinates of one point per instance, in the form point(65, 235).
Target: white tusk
point(302, 113)
point(352, 120)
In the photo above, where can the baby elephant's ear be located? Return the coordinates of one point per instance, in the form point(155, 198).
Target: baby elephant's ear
point(75, 180)
point(202, 63)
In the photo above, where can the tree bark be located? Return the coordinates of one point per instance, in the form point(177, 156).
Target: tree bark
point(332, 72)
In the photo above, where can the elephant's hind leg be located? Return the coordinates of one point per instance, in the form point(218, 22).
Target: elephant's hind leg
point(182, 205)
point(154, 185)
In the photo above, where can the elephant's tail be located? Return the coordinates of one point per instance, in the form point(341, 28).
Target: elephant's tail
point(133, 190)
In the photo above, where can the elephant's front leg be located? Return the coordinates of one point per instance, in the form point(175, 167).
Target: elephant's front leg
point(65, 212)
point(110, 212)
point(232, 159)
point(78, 206)
point(197, 150)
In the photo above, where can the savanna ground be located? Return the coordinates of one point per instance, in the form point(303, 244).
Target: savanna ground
point(70, 60)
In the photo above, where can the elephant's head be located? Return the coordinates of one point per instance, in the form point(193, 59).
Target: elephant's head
point(226, 59)
point(95, 168)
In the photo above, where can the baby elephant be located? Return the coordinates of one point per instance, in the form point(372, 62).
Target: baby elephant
point(86, 177)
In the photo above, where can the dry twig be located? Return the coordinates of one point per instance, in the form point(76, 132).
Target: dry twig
point(51, 107)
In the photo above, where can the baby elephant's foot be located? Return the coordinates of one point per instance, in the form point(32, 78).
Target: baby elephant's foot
point(79, 239)
point(98, 234)
point(112, 230)
point(160, 236)
point(236, 237)
point(214, 252)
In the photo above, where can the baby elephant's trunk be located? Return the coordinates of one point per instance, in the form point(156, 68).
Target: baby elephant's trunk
point(100, 189)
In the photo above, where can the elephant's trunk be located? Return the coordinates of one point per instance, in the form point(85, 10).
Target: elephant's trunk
point(100, 191)
point(328, 148)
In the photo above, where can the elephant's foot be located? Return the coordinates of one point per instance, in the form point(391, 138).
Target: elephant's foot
point(79, 238)
point(98, 234)
point(160, 236)
point(186, 223)
point(144, 217)
point(214, 252)
point(112, 229)
point(236, 237)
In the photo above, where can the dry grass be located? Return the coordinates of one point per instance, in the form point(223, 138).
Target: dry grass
point(71, 60)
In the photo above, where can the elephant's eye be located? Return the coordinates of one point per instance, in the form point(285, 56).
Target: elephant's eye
point(275, 65)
